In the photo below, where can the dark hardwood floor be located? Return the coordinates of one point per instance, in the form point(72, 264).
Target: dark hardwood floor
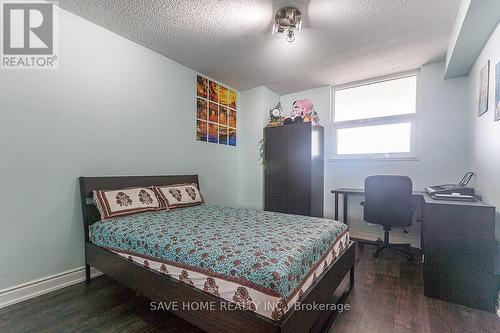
point(388, 297)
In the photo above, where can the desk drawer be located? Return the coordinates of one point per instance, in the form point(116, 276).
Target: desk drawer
point(467, 280)
point(459, 230)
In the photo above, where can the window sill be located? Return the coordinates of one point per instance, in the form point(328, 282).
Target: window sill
point(370, 159)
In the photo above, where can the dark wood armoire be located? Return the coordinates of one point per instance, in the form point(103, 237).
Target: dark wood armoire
point(294, 169)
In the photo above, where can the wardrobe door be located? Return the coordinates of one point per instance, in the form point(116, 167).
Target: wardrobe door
point(298, 161)
point(275, 170)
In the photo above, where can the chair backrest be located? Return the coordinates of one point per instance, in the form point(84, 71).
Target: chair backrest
point(388, 200)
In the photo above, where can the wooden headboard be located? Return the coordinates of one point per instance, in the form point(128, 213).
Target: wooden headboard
point(89, 184)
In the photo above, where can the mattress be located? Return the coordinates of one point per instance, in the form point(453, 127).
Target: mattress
point(260, 261)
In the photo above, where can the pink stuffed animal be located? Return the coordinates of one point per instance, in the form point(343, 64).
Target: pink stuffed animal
point(302, 107)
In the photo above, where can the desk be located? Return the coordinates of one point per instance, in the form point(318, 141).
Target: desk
point(346, 191)
point(458, 243)
point(458, 247)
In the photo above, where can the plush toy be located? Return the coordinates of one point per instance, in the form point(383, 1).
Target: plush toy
point(293, 119)
point(305, 109)
point(302, 107)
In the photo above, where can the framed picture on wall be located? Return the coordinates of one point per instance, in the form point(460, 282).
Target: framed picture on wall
point(497, 91)
point(216, 107)
point(484, 78)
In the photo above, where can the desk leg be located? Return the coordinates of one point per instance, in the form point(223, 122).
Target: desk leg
point(336, 216)
point(345, 207)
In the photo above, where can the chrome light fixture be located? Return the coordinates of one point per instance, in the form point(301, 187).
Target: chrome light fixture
point(287, 19)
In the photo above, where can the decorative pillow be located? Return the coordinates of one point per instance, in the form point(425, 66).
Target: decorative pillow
point(127, 201)
point(180, 195)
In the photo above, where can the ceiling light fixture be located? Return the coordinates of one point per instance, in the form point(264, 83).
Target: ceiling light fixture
point(287, 19)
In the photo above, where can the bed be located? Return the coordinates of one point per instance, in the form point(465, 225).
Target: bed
point(226, 269)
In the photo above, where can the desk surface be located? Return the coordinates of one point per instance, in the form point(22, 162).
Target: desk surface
point(354, 190)
point(427, 198)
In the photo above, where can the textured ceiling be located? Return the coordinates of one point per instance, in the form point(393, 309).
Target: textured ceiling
point(230, 40)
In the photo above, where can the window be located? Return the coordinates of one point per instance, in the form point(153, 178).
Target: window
point(376, 119)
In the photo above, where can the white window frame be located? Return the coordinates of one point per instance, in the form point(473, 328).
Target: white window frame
point(411, 118)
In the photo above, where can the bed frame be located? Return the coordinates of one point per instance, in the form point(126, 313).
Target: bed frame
point(331, 287)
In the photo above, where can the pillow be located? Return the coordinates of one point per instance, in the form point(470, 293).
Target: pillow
point(180, 195)
point(127, 201)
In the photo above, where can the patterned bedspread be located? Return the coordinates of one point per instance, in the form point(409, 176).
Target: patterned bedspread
point(271, 253)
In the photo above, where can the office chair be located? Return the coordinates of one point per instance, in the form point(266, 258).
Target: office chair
point(388, 202)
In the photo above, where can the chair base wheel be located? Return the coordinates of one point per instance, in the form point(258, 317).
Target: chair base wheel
point(375, 254)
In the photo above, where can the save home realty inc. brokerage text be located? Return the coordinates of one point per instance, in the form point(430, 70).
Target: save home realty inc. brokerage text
point(229, 306)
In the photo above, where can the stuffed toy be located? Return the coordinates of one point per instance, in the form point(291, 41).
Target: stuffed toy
point(293, 119)
point(304, 108)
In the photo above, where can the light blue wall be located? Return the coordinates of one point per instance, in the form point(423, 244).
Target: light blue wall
point(486, 132)
point(112, 108)
point(486, 143)
point(254, 107)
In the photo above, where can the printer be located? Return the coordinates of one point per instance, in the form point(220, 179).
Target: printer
point(460, 189)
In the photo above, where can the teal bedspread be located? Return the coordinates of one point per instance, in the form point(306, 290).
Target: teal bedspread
point(271, 251)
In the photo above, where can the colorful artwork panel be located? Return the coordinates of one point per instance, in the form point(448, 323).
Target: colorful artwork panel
point(232, 99)
point(223, 95)
point(232, 136)
point(232, 118)
point(213, 112)
point(213, 133)
point(201, 130)
point(201, 109)
point(223, 115)
point(223, 131)
point(201, 87)
point(214, 92)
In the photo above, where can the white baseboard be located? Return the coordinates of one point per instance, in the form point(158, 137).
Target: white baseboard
point(396, 238)
point(42, 286)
